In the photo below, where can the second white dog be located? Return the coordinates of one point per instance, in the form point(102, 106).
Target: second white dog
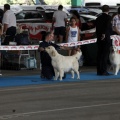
point(63, 64)
point(115, 59)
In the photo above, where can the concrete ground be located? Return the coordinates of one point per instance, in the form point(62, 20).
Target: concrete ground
point(83, 100)
point(86, 100)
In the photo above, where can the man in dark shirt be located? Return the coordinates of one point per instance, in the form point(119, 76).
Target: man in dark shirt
point(47, 68)
point(103, 29)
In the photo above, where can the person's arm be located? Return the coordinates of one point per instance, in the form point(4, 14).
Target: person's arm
point(5, 27)
point(41, 48)
point(65, 19)
point(5, 22)
point(53, 21)
point(116, 30)
point(78, 34)
point(59, 47)
point(1, 29)
point(67, 33)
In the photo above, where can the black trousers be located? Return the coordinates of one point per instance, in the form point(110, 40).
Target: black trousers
point(10, 34)
point(47, 72)
point(103, 56)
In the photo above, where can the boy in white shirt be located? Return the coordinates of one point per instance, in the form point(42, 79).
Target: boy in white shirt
point(9, 24)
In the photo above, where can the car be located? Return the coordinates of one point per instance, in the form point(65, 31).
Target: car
point(35, 21)
point(40, 15)
point(45, 16)
point(30, 16)
point(87, 32)
point(45, 7)
point(85, 10)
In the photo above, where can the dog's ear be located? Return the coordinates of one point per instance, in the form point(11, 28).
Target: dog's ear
point(53, 53)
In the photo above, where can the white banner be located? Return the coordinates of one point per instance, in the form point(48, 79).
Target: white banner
point(115, 38)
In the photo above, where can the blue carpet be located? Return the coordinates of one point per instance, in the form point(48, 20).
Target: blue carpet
point(35, 79)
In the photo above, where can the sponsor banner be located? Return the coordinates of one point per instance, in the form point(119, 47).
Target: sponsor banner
point(71, 44)
point(116, 41)
point(26, 47)
point(115, 38)
point(35, 29)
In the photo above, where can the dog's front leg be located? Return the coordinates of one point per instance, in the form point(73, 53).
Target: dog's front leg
point(56, 74)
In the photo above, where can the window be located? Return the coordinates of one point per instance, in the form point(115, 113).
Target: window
point(20, 16)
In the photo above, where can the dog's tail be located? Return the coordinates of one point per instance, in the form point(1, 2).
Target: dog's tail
point(78, 55)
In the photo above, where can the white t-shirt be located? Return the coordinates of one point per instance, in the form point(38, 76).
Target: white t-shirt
point(116, 22)
point(73, 34)
point(9, 18)
point(60, 17)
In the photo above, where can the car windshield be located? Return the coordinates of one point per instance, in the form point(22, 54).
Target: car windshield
point(29, 15)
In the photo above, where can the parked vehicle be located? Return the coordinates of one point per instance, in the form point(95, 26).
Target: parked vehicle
point(101, 2)
point(45, 16)
point(45, 7)
point(85, 10)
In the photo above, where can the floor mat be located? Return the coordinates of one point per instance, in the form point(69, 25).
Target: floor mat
point(35, 79)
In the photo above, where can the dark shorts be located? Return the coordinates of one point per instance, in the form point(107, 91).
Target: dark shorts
point(10, 35)
point(11, 31)
point(59, 31)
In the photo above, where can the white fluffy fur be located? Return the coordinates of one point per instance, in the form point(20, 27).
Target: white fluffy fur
point(115, 59)
point(63, 64)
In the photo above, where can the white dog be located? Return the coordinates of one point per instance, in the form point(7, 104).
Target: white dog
point(115, 59)
point(63, 64)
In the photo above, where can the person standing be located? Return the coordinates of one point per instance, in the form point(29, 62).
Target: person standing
point(59, 23)
point(1, 32)
point(1, 15)
point(72, 35)
point(103, 25)
point(116, 23)
point(9, 24)
point(76, 15)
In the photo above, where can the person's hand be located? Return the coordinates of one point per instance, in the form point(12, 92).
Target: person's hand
point(103, 37)
point(41, 49)
point(52, 28)
point(4, 33)
point(78, 49)
point(62, 47)
point(90, 24)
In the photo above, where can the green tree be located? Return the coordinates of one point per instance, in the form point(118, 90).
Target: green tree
point(56, 2)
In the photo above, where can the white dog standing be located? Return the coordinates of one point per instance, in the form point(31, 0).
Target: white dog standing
point(63, 64)
point(115, 59)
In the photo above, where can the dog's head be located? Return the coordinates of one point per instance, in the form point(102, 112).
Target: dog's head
point(114, 49)
point(51, 51)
